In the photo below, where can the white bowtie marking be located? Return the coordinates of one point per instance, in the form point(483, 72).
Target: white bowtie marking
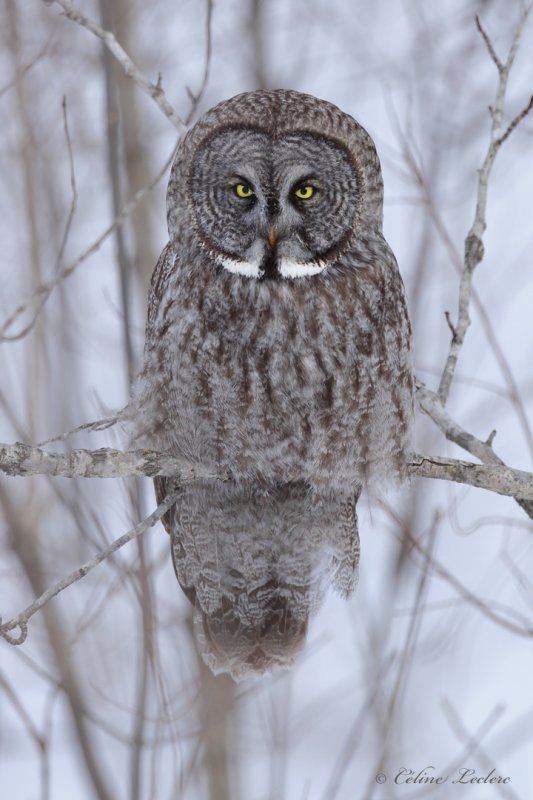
point(288, 268)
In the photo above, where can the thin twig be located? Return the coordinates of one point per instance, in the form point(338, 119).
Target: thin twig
point(406, 660)
point(21, 620)
point(516, 121)
point(123, 264)
point(21, 72)
point(522, 626)
point(41, 294)
point(26, 718)
point(474, 248)
point(154, 90)
point(195, 97)
point(73, 189)
point(472, 742)
point(87, 427)
point(357, 731)
point(488, 42)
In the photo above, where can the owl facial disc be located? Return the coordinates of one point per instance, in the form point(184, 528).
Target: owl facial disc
point(273, 207)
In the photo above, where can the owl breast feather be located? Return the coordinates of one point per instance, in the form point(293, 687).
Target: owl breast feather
point(278, 381)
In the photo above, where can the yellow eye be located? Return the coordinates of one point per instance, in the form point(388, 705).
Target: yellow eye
point(243, 190)
point(304, 192)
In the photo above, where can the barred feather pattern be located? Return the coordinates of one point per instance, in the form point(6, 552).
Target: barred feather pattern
point(298, 391)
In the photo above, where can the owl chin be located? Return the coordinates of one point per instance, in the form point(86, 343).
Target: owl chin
point(272, 257)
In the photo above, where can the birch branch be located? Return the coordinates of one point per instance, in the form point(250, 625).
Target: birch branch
point(500, 479)
point(24, 460)
point(474, 248)
point(21, 620)
point(431, 404)
point(153, 90)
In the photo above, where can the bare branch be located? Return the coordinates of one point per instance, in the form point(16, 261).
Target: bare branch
point(43, 292)
point(21, 620)
point(154, 90)
point(457, 261)
point(506, 617)
point(472, 742)
point(86, 427)
point(195, 97)
point(23, 460)
point(406, 658)
point(27, 720)
point(122, 260)
point(488, 42)
point(431, 404)
point(21, 72)
point(502, 480)
point(73, 189)
point(474, 248)
point(516, 121)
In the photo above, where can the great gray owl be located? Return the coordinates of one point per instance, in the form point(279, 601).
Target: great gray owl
point(278, 355)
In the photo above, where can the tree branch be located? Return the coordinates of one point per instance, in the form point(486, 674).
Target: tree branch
point(474, 248)
point(500, 479)
point(24, 460)
point(21, 620)
point(154, 90)
point(431, 404)
point(41, 294)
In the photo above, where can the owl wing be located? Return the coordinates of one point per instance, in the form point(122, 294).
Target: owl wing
point(161, 491)
point(164, 268)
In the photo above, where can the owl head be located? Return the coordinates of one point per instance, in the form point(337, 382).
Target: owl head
point(275, 185)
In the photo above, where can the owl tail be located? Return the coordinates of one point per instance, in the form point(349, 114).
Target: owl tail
point(269, 636)
point(256, 564)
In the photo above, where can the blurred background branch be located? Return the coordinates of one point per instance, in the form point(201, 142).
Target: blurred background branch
point(154, 90)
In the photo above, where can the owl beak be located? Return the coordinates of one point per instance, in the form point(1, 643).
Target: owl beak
point(272, 237)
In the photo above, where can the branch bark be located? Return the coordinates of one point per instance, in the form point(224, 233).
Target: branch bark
point(500, 479)
point(474, 248)
point(154, 90)
point(23, 460)
point(431, 404)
